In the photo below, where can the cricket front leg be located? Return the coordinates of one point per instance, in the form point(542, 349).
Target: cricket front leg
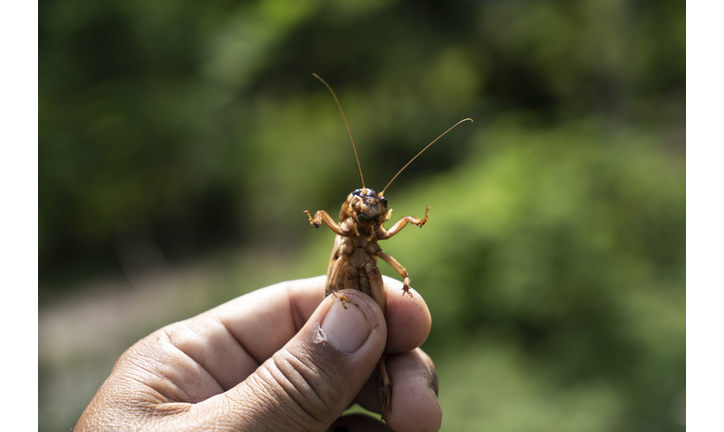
point(323, 217)
point(383, 234)
point(399, 269)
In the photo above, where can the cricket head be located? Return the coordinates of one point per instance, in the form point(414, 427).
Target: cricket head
point(367, 207)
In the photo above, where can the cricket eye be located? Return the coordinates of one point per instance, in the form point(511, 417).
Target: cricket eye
point(384, 200)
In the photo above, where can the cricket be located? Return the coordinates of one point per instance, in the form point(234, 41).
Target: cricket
point(353, 261)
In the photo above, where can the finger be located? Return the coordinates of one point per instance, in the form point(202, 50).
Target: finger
point(408, 319)
point(415, 406)
point(309, 382)
point(266, 319)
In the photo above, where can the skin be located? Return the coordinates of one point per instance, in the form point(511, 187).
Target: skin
point(259, 362)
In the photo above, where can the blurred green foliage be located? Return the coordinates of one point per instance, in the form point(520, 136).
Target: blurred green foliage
point(554, 259)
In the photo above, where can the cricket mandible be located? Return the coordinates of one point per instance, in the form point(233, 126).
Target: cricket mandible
point(353, 262)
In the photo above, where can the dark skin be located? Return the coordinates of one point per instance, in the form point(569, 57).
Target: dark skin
point(279, 358)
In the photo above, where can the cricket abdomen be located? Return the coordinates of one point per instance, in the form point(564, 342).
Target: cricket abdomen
point(359, 270)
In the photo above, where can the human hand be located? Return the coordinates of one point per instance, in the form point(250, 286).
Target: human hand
point(276, 359)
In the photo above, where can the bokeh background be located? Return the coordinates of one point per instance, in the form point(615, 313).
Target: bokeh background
point(181, 141)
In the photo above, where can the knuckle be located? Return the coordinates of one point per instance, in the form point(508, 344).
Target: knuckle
point(303, 391)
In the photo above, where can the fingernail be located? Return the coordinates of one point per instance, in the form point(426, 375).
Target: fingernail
point(346, 329)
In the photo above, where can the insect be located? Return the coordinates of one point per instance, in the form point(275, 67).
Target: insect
point(353, 262)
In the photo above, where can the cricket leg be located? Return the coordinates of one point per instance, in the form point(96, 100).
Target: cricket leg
point(384, 391)
point(399, 269)
point(321, 217)
point(334, 274)
point(385, 234)
point(377, 287)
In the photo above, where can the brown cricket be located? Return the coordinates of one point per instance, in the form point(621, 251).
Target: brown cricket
point(353, 262)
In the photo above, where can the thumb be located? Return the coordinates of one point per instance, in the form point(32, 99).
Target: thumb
point(308, 383)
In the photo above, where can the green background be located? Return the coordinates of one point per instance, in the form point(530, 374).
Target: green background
point(180, 143)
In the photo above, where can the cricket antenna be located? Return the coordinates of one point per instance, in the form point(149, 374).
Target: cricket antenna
point(348, 131)
point(433, 142)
